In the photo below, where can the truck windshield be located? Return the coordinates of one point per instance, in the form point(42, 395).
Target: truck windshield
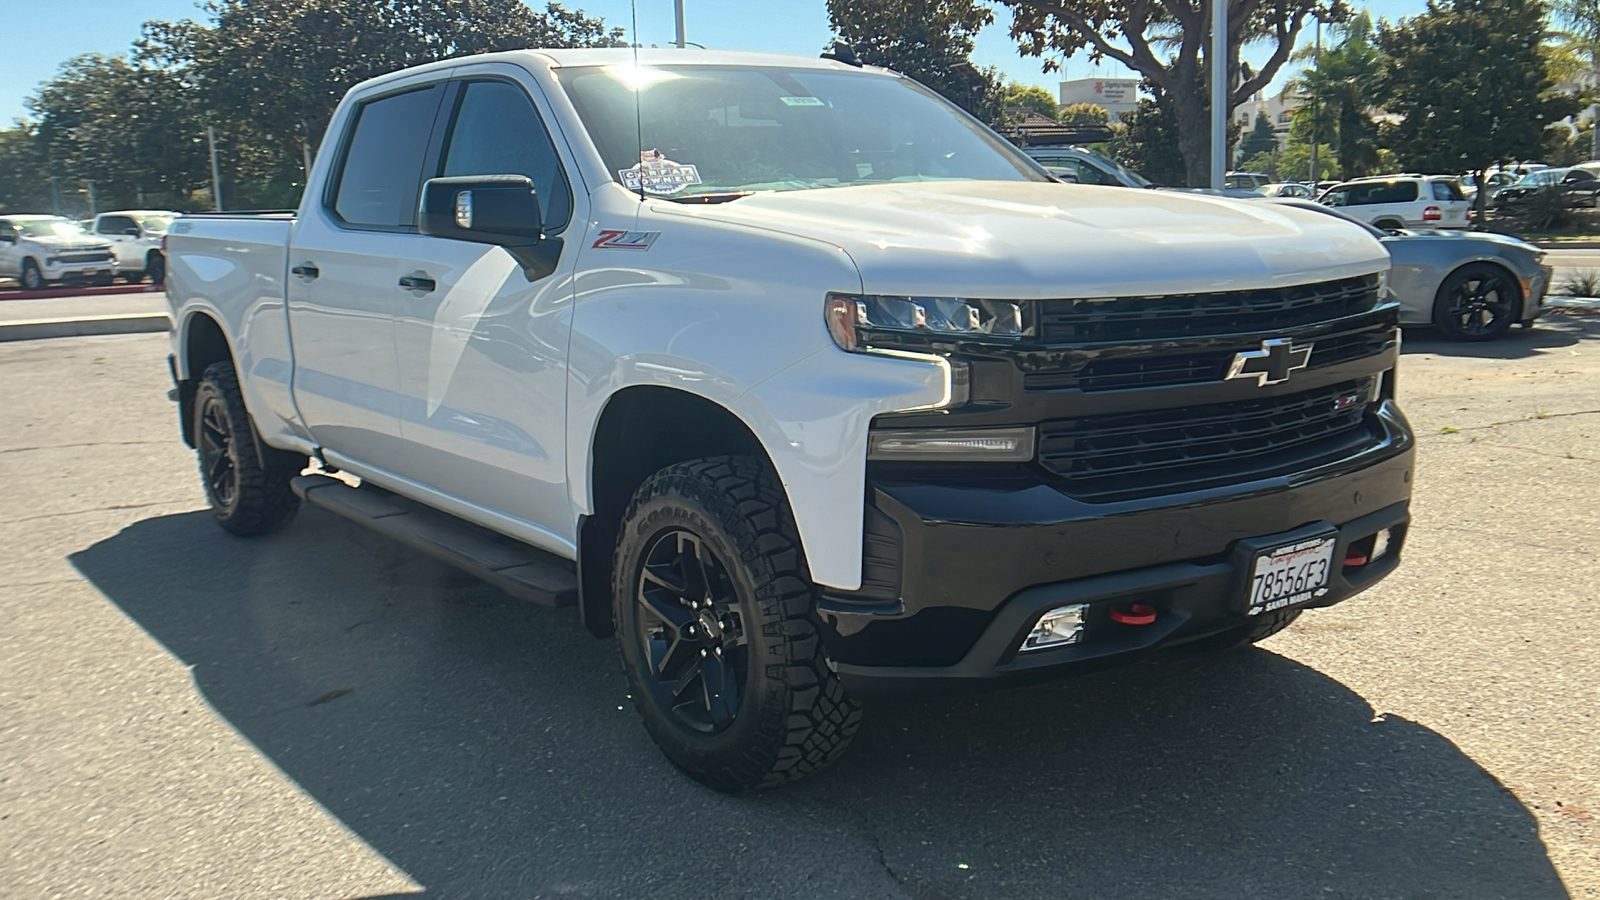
point(49, 228)
point(704, 131)
point(156, 224)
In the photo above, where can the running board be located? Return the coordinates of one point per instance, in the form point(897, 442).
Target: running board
point(522, 571)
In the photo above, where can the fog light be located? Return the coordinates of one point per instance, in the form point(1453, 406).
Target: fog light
point(1380, 544)
point(1056, 628)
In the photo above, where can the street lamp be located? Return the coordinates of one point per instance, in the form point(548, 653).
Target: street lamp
point(678, 12)
point(1219, 92)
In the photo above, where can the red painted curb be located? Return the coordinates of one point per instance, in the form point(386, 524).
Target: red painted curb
point(79, 292)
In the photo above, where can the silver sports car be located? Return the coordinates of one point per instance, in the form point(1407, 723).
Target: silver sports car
point(1471, 285)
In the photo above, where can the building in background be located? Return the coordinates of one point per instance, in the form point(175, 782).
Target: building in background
point(1279, 110)
point(1114, 95)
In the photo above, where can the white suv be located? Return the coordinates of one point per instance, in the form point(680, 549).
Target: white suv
point(1392, 202)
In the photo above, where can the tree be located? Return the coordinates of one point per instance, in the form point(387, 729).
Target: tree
point(1029, 98)
point(1164, 41)
point(24, 181)
point(1148, 141)
point(928, 40)
point(1574, 55)
point(1337, 93)
point(1261, 139)
point(1084, 115)
point(1457, 114)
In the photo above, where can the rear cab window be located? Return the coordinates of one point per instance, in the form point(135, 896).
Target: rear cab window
point(380, 170)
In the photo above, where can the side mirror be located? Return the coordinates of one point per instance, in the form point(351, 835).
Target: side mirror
point(484, 209)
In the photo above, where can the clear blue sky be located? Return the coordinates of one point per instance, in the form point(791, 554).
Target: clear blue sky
point(40, 34)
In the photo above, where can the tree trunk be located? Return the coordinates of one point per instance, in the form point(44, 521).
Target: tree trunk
point(1480, 200)
point(1194, 137)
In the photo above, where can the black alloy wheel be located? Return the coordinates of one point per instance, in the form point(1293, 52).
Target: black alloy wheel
point(1478, 302)
point(246, 481)
point(693, 635)
point(218, 470)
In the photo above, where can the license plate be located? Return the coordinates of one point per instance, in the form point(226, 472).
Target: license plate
point(1290, 575)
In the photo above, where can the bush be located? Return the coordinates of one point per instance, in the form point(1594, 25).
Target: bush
point(1582, 283)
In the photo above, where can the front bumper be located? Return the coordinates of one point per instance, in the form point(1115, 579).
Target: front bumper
point(958, 574)
point(77, 273)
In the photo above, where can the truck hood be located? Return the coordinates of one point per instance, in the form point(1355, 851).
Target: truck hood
point(1026, 240)
point(62, 242)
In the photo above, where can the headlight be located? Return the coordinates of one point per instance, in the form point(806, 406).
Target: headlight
point(1011, 444)
point(861, 323)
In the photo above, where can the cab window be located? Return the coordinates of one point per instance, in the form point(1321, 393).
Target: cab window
point(379, 174)
point(497, 131)
point(117, 225)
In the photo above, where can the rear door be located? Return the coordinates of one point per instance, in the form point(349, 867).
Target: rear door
point(483, 347)
point(342, 289)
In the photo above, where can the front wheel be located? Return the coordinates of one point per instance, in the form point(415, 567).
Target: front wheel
point(32, 278)
point(156, 268)
point(1477, 302)
point(248, 496)
point(713, 607)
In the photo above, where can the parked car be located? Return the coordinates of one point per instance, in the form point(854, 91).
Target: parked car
point(135, 236)
point(1471, 285)
point(792, 430)
point(1391, 202)
point(1247, 181)
point(1087, 166)
point(1494, 179)
point(1579, 185)
point(43, 250)
point(1292, 189)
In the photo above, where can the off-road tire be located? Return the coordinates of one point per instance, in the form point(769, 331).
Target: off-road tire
point(793, 717)
point(155, 265)
point(32, 278)
point(1253, 632)
point(248, 497)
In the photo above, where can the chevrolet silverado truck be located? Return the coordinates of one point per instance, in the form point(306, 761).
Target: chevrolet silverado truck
point(39, 251)
point(798, 380)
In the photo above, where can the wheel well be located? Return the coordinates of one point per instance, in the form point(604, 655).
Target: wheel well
point(641, 431)
point(204, 343)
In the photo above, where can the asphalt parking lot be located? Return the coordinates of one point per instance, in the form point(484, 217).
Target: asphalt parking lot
point(320, 714)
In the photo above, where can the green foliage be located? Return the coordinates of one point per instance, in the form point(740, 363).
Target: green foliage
point(1148, 141)
point(24, 178)
point(928, 40)
point(1265, 162)
point(1261, 140)
point(1294, 163)
point(1458, 114)
point(1165, 43)
point(1337, 92)
point(1028, 98)
point(1084, 114)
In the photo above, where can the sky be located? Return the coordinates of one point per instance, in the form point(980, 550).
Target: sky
point(39, 36)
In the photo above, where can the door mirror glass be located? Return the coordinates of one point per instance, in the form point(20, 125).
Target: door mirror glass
point(485, 209)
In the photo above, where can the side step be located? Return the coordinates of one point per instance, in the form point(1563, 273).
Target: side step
point(522, 571)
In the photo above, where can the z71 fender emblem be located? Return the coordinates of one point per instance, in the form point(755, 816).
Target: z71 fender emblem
point(1272, 363)
point(617, 239)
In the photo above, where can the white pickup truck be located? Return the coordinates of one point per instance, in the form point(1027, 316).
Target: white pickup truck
point(797, 379)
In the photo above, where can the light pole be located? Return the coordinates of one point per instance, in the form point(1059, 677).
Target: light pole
point(1316, 107)
point(1219, 92)
point(678, 12)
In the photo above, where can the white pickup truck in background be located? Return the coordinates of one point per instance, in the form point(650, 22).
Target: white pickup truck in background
point(799, 380)
point(135, 236)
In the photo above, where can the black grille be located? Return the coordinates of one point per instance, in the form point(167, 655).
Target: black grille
point(1130, 455)
point(1197, 367)
point(1192, 315)
point(85, 256)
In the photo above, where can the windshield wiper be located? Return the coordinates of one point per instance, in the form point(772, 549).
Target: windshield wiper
point(711, 197)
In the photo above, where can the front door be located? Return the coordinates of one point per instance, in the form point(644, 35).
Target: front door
point(482, 346)
point(122, 232)
point(10, 258)
point(342, 291)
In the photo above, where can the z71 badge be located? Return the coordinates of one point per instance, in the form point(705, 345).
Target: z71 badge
point(617, 239)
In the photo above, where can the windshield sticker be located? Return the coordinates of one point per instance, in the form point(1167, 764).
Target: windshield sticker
point(655, 174)
point(618, 239)
point(802, 101)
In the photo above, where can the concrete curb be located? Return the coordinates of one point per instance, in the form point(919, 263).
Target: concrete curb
point(51, 293)
point(82, 326)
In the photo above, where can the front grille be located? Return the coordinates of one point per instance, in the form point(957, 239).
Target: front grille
point(1126, 456)
point(1195, 367)
point(1193, 315)
point(87, 257)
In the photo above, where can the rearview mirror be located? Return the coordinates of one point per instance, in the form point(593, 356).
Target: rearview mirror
point(485, 209)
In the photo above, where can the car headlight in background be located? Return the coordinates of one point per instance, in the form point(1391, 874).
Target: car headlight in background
point(861, 323)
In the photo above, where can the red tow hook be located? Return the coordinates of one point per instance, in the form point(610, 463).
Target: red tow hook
point(1134, 614)
point(1356, 554)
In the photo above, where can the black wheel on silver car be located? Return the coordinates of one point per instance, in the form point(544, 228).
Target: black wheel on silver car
point(1478, 302)
point(32, 278)
point(713, 607)
point(247, 497)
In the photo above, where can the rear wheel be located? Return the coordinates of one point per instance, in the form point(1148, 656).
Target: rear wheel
point(1477, 302)
point(713, 607)
point(248, 496)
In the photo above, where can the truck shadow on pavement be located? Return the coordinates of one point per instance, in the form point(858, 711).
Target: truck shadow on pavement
point(1554, 332)
point(488, 748)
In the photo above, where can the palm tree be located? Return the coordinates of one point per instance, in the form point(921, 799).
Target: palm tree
point(1338, 85)
point(1573, 53)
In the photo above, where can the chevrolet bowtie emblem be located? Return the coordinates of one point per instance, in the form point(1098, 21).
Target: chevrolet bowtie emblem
point(1272, 363)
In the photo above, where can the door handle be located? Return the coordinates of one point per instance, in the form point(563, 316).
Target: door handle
point(417, 283)
point(306, 271)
